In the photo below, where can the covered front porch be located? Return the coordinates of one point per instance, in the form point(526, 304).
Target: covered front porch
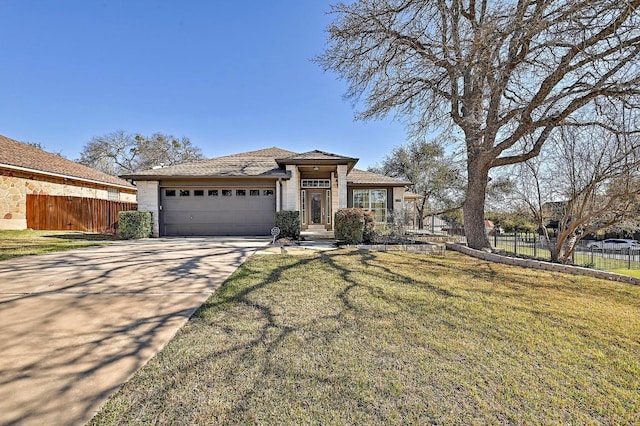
point(317, 188)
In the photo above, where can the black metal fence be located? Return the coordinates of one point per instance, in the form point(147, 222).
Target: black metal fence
point(533, 245)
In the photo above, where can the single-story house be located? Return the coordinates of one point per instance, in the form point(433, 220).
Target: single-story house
point(240, 194)
point(26, 170)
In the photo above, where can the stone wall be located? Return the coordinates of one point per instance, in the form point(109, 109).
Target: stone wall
point(14, 187)
point(538, 264)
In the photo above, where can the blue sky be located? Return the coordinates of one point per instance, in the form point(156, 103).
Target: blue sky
point(232, 76)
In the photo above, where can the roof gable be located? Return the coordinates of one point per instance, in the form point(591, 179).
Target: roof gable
point(317, 155)
point(18, 155)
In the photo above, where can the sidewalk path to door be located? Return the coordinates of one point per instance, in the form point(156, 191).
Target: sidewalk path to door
point(75, 325)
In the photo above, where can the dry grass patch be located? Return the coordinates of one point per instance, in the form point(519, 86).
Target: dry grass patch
point(23, 243)
point(348, 337)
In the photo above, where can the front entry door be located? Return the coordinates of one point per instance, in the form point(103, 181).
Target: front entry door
point(316, 208)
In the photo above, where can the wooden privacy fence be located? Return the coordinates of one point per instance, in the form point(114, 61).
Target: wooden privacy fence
point(55, 213)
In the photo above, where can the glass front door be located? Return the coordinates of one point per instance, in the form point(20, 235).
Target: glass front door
point(316, 208)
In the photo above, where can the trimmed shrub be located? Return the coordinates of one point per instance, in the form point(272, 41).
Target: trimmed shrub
point(289, 223)
point(134, 224)
point(369, 232)
point(349, 225)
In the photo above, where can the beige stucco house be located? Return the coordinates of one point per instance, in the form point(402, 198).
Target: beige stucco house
point(27, 170)
point(240, 194)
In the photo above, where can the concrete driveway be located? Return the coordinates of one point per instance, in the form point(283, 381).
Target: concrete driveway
point(75, 325)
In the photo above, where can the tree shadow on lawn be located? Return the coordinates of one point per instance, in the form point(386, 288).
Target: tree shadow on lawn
point(248, 330)
point(254, 349)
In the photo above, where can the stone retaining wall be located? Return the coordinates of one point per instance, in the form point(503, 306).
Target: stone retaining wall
point(409, 248)
point(538, 264)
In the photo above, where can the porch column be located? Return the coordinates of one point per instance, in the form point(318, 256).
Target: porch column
point(335, 202)
point(342, 186)
point(292, 193)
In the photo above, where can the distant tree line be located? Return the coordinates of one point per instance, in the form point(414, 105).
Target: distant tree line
point(120, 152)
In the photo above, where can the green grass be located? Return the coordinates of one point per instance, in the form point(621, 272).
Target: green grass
point(349, 337)
point(23, 243)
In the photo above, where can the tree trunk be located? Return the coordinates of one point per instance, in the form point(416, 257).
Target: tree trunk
point(473, 207)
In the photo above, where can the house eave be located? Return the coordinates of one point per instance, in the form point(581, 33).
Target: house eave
point(66, 177)
point(377, 184)
point(284, 176)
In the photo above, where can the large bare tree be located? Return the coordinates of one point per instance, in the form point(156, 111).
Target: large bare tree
point(585, 182)
point(506, 73)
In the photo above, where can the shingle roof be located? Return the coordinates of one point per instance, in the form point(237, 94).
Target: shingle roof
point(21, 155)
point(260, 163)
point(362, 177)
point(253, 163)
point(273, 152)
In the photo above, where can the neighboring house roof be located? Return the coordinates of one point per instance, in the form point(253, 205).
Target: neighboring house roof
point(262, 163)
point(28, 158)
point(361, 177)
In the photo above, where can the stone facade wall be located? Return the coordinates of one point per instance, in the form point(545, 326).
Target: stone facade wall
point(15, 186)
point(538, 264)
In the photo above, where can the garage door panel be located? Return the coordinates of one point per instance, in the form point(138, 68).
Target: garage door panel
point(217, 215)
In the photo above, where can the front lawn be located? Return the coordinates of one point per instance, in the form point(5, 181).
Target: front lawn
point(27, 242)
point(349, 337)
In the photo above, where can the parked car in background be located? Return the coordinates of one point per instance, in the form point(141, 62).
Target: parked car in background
point(617, 244)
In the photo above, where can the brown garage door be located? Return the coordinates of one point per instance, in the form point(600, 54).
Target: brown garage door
point(217, 211)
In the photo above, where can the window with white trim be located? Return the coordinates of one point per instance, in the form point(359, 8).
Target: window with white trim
point(328, 206)
point(303, 207)
point(316, 183)
point(374, 200)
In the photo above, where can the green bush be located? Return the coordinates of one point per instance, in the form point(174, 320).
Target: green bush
point(134, 224)
point(349, 225)
point(289, 223)
point(369, 232)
